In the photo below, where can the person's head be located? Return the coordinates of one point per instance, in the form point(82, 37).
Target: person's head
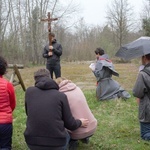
point(99, 52)
point(145, 59)
point(3, 65)
point(52, 35)
point(41, 73)
point(59, 80)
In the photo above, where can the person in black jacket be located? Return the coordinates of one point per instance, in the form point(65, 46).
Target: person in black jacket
point(48, 115)
point(52, 54)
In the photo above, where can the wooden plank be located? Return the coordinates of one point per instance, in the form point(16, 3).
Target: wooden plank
point(19, 66)
point(19, 77)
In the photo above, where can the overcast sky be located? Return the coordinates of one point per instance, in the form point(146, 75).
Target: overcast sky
point(94, 11)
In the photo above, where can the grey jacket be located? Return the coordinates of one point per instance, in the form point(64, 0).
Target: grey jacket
point(107, 88)
point(140, 90)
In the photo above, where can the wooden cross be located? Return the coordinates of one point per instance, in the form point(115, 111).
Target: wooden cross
point(49, 20)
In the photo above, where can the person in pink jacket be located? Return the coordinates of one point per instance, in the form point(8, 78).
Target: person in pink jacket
point(79, 109)
point(7, 105)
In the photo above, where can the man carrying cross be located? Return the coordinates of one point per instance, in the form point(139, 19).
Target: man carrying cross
point(52, 51)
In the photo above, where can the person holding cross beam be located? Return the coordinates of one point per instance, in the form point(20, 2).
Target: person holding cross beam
point(52, 53)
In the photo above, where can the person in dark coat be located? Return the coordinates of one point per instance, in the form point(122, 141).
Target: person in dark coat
point(52, 54)
point(48, 115)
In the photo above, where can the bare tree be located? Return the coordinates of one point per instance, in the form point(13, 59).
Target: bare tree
point(22, 35)
point(146, 18)
point(120, 19)
point(146, 9)
point(4, 6)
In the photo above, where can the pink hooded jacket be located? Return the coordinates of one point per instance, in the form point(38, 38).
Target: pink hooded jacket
point(79, 109)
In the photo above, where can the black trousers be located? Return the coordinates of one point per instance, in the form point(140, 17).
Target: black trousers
point(5, 136)
point(32, 147)
point(56, 69)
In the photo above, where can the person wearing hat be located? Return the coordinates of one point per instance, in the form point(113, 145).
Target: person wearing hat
point(52, 53)
point(48, 115)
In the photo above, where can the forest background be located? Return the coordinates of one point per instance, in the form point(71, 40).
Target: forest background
point(23, 35)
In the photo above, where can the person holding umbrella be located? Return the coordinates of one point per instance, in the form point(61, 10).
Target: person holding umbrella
point(141, 90)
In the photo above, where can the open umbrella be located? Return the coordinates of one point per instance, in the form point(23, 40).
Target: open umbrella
point(135, 49)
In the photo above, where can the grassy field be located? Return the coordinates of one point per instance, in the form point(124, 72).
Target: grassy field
point(118, 127)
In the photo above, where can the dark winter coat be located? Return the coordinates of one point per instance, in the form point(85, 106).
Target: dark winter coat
point(48, 114)
point(57, 52)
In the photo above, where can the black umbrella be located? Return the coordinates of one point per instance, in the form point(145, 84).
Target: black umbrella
point(135, 49)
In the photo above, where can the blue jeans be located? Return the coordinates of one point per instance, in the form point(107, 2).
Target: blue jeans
point(67, 141)
point(145, 131)
point(5, 136)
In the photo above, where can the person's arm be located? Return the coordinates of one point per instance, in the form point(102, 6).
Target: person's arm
point(58, 50)
point(45, 52)
point(99, 71)
point(69, 121)
point(12, 97)
point(139, 87)
point(137, 100)
point(26, 99)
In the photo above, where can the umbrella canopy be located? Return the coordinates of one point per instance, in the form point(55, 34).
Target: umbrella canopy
point(135, 49)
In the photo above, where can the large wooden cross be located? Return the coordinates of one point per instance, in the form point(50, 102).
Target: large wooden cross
point(49, 20)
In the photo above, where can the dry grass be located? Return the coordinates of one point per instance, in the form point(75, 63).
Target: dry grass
point(81, 74)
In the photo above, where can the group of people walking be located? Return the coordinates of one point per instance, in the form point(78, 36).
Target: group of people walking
point(58, 115)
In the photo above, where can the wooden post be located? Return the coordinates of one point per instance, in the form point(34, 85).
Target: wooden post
point(19, 77)
point(16, 68)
